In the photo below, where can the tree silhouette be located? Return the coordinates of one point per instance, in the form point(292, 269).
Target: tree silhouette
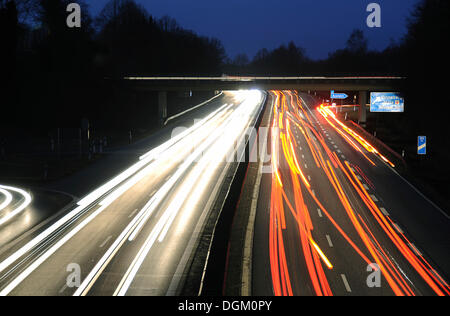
point(9, 31)
point(284, 60)
point(137, 44)
point(357, 43)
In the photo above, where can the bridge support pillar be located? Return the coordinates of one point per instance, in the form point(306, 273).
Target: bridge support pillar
point(162, 107)
point(362, 107)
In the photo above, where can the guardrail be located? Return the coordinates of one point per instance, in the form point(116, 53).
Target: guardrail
point(379, 144)
point(255, 78)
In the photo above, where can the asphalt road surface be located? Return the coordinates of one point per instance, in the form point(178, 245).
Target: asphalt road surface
point(331, 215)
point(136, 234)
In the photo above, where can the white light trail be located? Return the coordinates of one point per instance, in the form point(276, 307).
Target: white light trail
point(26, 201)
point(91, 198)
point(8, 199)
point(222, 142)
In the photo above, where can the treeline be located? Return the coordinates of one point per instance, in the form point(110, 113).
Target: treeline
point(420, 48)
point(421, 56)
point(53, 75)
point(135, 43)
point(292, 60)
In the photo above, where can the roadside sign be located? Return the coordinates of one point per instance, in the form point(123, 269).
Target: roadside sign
point(338, 95)
point(422, 145)
point(388, 102)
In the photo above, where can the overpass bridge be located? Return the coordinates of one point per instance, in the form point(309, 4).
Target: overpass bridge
point(362, 85)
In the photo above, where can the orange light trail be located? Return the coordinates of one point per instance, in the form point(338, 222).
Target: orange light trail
point(312, 252)
point(326, 112)
point(322, 255)
point(330, 164)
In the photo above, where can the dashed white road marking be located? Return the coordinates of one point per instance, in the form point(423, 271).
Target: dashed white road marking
point(414, 248)
point(366, 187)
point(306, 166)
point(132, 213)
point(398, 228)
point(105, 242)
point(319, 212)
point(330, 243)
point(374, 198)
point(383, 210)
point(435, 273)
point(347, 286)
point(63, 289)
point(359, 178)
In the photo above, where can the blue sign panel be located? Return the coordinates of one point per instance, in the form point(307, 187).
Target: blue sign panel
point(386, 102)
point(338, 95)
point(422, 145)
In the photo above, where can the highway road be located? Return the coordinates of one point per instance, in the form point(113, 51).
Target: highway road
point(137, 233)
point(335, 218)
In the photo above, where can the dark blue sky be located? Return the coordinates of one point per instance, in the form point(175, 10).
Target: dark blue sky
point(245, 26)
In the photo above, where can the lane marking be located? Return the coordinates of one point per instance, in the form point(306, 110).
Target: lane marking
point(132, 213)
point(191, 109)
point(435, 273)
point(374, 198)
point(414, 248)
point(366, 187)
point(320, 212)
point(246, 277)
point(383, 210)
point(398, 228)
point(421, 194)
point(330, 243)
point(106, 241)
point(62, 289)
point(347, 286)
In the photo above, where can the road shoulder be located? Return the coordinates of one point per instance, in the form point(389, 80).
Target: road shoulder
point(239, 261)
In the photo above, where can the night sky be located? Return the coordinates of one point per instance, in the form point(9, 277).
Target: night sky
point(245, 26)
